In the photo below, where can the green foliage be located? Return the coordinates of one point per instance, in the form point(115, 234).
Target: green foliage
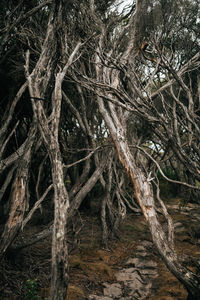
point(168, 189)
point(169, 172)
point(31, 290)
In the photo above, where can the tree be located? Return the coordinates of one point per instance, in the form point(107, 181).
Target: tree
point(115, 99)
point(47, 56)
point(97, 84)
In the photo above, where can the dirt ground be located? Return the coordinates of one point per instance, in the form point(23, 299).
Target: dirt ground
point(90, 264)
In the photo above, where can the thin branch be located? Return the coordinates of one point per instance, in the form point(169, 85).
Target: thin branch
point(7, 140)
point(167, 216)
point(36, 206)
point(161, 172)
point(82, 159)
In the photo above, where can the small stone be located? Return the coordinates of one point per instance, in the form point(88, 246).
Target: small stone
point(129, 270)
point(138, 263)
point(113, 290)
point(137, 276)
point(142, 254)
point(141, 248)
point(149, 272)
point(125, 275)
point(136, 288)
point(94, 297)
point(147, 244)
point(178, 224)
point(135, 285)
point(133, 262)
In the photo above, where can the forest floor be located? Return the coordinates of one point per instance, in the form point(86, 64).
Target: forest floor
point(91, 265)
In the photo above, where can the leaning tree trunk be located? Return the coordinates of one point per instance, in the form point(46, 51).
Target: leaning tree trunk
point(115, 120)
point(19, 199)
point(144, 195)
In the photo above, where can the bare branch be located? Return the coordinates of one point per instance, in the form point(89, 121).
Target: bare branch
point(36, 206)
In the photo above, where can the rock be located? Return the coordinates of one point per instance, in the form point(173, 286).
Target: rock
point(138, 263)
point(138, 291)
point(142, 255)
point(147, 244)
point(133, 262)
point(149, 272)
point(136, 277)
point(126, 275)
point(95, 297)
point(178, 224)
point(141, 249)
point(112, 290)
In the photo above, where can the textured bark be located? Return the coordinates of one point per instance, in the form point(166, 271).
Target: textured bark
point(8, 117)
point(74, 206)
point(7, 182)
point(104, 203)
point(59, 280)
point(11, 159)
point(76, 202)
point(115, 119)
point(59, 269)
point(48, 127)
point(19, 199)
point(144, 195)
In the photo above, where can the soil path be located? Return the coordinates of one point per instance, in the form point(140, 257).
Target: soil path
point(129, 269)
point(134, 280)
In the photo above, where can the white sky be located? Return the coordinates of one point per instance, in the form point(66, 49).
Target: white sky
point(123, 4)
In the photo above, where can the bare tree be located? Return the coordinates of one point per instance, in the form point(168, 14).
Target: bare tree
point(97, 78)
point(121, 94)
point(49, 128)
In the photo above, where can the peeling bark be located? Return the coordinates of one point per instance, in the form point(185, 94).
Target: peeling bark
point(115, 119)
point(144, 195)
point(19, 199)
point(48, 127)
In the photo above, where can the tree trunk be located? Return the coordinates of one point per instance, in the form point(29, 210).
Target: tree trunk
point(74, 206)
point(104, 203)
point(144, 195)
point(19, 199)
point(59, 269)
point(49, 127)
